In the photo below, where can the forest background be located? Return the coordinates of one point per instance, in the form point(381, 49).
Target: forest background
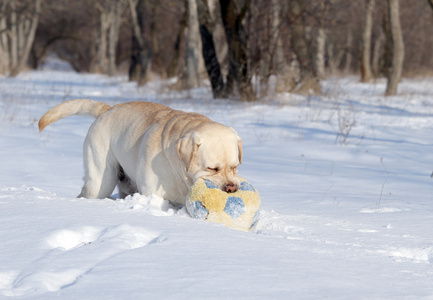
point(246, 48)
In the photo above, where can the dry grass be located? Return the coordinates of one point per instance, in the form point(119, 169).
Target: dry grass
point(8, 111)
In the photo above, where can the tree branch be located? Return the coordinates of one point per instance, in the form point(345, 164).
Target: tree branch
point(245, 8)
point(135, 25)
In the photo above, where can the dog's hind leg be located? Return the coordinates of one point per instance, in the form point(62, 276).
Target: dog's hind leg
point(100, 177)
point(125, 185)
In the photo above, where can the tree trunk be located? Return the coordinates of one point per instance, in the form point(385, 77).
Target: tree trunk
point(114, 15)
point(25, 33)
point(320, 55)
point(110, 12)
point(309, 81)
point(266, 50)
point(366, 73)
point(174, 64)
point(208, 50)
point(112, 38)
point(141, 55)
point(4, 42)
point(386, 59)
point(271, 48)
point(349, 42)
point(236, 37)
point(17, 33)
point(286, 69)
point(221, 46)
point(157, 59)
point(192, 47)
point(101, 54)
point(13, 36)
point(377, 50)
point(397, 48)
point(321, 42)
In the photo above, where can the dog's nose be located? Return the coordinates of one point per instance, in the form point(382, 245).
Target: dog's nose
point(231, 187)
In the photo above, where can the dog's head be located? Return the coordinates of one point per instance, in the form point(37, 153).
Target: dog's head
point(212, 152)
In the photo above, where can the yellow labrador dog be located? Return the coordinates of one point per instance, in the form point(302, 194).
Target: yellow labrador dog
point(150, 148)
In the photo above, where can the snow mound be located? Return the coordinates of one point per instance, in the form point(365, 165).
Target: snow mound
point(73, 253)
point(152, 204)
point(416, 255)
point(67, 239)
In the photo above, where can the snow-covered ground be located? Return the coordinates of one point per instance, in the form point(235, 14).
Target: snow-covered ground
point(345, 181)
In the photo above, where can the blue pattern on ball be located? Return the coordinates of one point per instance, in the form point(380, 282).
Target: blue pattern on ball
point(210, 185)
point(235, 207)
point(245, 186)
point(198, 210)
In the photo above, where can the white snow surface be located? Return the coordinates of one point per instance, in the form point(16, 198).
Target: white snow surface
point(345, 181)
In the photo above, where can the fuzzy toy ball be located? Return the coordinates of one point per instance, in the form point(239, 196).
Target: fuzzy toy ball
point(238, 210)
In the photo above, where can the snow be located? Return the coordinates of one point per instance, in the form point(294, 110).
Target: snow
point(345, 181)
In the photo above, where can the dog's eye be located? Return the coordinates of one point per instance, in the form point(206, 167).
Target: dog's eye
point(213, 169)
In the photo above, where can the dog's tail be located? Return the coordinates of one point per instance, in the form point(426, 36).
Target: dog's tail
point(73, 107)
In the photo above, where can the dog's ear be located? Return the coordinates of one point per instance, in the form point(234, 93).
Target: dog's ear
point(187, 148)
point(240, 150)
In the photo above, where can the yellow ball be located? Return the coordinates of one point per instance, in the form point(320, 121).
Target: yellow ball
point(238, 210)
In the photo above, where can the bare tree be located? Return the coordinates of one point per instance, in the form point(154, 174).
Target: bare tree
point(397, 48)
point(377, 51)
point(176, 60)
point(239, 75)
point(309, 80)
point(366, 73)
point(208, 50)
point(193, 47)
point(272, 59)
point(285, 68)
point(141, 54)
point(267, 37)
point(116, 9)
point(221, 46)
point(18, 23)
point(270, 42)
point(100, 65)
point(320, 54)
point(4, 41)
point(349, 50)
point(321, 41)
point(108, 35)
